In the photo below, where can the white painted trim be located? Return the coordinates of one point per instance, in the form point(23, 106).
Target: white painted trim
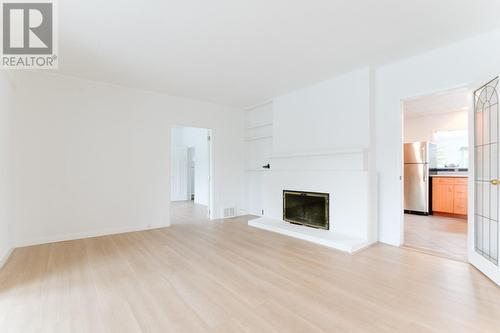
point(401, 203)
point(82, 235)
point(211, 201)
point(426, 114)
point(321, 153)
point(5, 257)
point(471, 188)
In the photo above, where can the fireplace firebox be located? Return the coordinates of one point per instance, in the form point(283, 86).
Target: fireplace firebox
point(307, 208)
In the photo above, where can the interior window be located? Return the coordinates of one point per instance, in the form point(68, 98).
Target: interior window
point(451, 147)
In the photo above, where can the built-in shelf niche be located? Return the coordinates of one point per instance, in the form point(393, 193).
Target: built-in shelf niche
point(258, 147)
point(258, 132)
point(258, 136)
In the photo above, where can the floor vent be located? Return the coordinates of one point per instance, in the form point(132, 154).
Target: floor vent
point(228, 212)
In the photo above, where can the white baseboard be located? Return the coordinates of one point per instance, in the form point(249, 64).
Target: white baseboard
point(5, 256)
point(82, 235)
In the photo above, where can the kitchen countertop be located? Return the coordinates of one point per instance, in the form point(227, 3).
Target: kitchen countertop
point(456, 175)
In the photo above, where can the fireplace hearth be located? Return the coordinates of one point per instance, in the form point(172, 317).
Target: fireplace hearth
point(307, 208)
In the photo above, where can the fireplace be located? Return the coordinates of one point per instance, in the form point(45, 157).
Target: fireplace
point(307, 208)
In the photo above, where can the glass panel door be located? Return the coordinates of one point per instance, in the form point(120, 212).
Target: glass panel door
point(486, 173)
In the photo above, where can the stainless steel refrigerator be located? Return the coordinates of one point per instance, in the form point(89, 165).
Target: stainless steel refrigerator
point(418, 158)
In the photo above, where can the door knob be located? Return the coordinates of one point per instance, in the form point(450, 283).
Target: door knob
point(494, 182)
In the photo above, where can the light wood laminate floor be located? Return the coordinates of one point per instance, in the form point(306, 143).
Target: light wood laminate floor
point(224, 276)
point(438, 235)
point(187, 212)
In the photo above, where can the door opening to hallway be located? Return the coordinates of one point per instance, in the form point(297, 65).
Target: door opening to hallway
point(190, 181)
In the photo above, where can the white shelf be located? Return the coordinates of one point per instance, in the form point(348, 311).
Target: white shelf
point(324, 237)
point(259, 138)
point(321, 153)
point(258, 126)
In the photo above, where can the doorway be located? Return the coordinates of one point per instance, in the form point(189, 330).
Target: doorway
point(435, 173)
point(190, 176)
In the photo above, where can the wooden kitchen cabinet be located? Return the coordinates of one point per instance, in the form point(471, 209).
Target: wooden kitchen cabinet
point(442, 197)
point(449, 195)
point(460, 199)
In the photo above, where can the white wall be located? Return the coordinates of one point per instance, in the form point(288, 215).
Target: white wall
point(468, 63)
point(6, 126)
point(93, 158)
point(184, 138)
point(422, 128)
point(333, 114)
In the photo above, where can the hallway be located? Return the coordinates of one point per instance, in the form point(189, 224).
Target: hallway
point(187, 212)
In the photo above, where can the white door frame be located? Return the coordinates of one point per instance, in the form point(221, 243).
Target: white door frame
point(178, 174)
point(210, 175)
point(191, 151)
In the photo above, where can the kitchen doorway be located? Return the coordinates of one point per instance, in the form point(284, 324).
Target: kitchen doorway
point(190, 175)
point(435, 173)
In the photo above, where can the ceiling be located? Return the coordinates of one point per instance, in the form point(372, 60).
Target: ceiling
point(448, 101)
point(243, 52)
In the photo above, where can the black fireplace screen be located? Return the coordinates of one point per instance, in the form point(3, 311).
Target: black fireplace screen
point(306, 208)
